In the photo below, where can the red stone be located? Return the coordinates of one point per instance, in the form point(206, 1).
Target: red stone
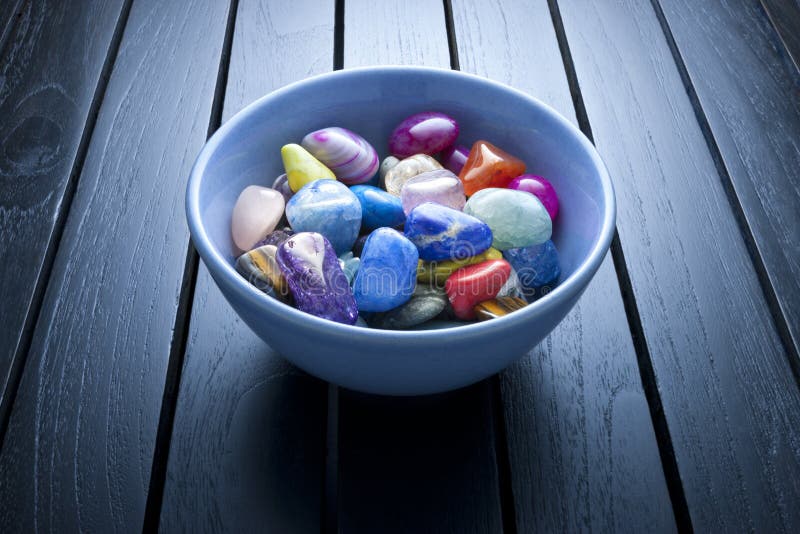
point(476, 283)
point(489, 166)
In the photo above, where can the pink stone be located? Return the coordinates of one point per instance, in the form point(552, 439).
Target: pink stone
point(255, 214)
point(540, 188)
point(440, 186)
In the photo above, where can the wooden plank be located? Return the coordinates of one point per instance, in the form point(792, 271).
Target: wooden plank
point(727, 389)
point(424, 464)
point(582, 450)
point(79, 448)
point(785, 16)
point(248, 445)
point(10, 13)
point(50, 69)
point(749, 96)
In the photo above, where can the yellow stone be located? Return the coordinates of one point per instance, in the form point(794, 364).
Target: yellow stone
point(301, 167)
point(440, 270)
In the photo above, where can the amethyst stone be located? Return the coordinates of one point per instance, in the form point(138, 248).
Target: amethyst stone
point(428, 132)
point(454, 158)
point(316, 280)
point(281, 185)
point(276, 237)
point(351, 158)
point(440, 186)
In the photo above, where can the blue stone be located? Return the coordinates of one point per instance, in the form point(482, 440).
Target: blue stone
point(388, 272)
point(442, 233)
point(537, 268)
point(327, 207)
point(378, 208)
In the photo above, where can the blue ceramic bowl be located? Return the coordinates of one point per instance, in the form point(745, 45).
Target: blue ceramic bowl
point(371, 101)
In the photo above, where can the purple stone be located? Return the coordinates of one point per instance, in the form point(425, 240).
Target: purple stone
point(428, 132)
point(540, 188)
point(351, 158)
point(276, 238)
point(440, 186)
point(454, 158)
point(316, 280)
point(281, 185)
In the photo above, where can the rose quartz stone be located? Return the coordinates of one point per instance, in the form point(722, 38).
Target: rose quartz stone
point(256, 213)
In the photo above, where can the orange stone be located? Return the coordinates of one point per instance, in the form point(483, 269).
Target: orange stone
point(489, 166)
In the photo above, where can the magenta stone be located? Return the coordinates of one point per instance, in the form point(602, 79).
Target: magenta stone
point(454, 158)
point(440, 186)
point(428, 132)
point(540, 188)
point(316, 280)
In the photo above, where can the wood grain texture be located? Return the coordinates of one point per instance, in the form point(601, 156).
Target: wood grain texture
point(785, 16)
point(425, 464)
point(10, 12)
point(78, 452)
point(248, 445)
point(395, 33)
point(728, 394)
point(48, 75)
point(582, 450)
point(750, 97)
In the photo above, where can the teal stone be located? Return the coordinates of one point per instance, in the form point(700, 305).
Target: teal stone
point(517, 218)
point(425, 304)
point(350, 265)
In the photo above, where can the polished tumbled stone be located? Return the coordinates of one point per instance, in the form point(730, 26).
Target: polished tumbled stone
point(276, 237)
point(351, 158)
point(454, 158)
point(316, 280)
point(489, 166)
point(499, 307)
point(427, 132)
point(388, 272)
point(475, 283)
point(327, 207)
point(350, 265)
point(302, 168)
point(260, 268)
point(397, 176)
point(537, 267)
point(281, 185)
point(541, 188)
point(425, 304)
point(255, 214)
point(436, 272)
point(517, 219)
point(378, 208)
point(442, 233)
point(440, 186)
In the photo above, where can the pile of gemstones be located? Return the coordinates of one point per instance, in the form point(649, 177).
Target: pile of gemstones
point(434, 232)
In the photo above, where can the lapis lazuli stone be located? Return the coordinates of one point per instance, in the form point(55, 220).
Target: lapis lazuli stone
point(442, 233)
point(329, 208)
point(388, 272)
point(537, 268)
point(378, 208)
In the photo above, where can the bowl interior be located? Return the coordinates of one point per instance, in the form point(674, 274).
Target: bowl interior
point(372, 103)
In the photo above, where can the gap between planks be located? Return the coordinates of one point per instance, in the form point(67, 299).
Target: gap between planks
point(666, 449)
point(20, 357)
point(180, 331)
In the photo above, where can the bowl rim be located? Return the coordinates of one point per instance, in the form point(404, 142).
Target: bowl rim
point(569, 288)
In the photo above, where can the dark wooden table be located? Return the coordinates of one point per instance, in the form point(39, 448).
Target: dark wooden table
point(132, 396)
